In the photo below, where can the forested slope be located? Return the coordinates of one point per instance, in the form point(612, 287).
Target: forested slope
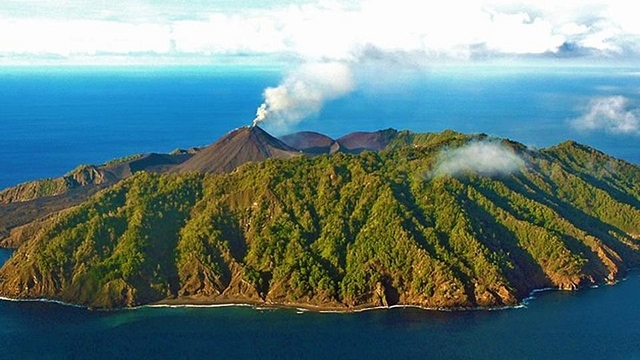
point(346, 231)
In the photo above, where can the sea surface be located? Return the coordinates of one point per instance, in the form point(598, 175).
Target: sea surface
point(53, 119)
point(597, 323)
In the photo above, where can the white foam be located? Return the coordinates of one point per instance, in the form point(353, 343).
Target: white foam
point(299, 310)
point(425, 308)
point(180, 306)
point(532, 295)
point(42, 300)
point(333, 311)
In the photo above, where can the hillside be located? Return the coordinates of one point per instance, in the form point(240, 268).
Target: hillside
point(313, 143)
point(435, 220)
point(91, 175)
point(34, 200)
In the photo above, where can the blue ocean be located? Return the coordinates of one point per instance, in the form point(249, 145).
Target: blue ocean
point(54, 119)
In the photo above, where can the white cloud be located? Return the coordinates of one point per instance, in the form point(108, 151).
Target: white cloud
point(223, 34)
point(521, 34)
point(612, 114)
point(318, 31)
point(66, 38)
point(483, 157)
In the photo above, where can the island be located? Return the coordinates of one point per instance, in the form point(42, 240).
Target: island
point(373, 219)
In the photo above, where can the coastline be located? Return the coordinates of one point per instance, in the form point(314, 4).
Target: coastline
point(44, 300)
point(306, 307)
point(299, 307)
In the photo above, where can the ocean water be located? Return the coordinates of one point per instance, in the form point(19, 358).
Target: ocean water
point(590, 324)
point(55, 119)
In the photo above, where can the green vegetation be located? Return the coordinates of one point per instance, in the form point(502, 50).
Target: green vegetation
point(34, 189)
point(344, 231)
point(80, 176)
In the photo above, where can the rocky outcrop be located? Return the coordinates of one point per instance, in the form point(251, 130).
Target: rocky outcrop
point(34, 189)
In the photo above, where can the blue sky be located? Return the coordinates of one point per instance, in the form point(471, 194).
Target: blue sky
point(145, 32)
point(322, 45)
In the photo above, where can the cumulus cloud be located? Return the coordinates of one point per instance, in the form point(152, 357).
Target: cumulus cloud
point(319, 30)
point(303, 92)
point(612, 114)
point(483, 157)
point(339, 34)
point(89, 37)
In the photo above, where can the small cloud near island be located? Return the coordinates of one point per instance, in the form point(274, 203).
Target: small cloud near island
point(487, 158)
point(611, 114)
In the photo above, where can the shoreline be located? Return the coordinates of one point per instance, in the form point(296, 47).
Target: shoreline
point(44, 300)
point(298, 307)
point(301, 307)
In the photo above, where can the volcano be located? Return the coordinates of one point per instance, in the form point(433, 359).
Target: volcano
point(242, 145)
point(311, 143)
point(255, 234)
point(358, 142)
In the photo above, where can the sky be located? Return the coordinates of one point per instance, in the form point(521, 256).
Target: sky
point(322, 43)
point(160, 32)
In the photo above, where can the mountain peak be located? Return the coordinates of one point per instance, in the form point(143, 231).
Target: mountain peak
point(245, 144)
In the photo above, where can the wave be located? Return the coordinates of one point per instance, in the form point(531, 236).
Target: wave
point(425, 308)
point(180, 306)
point(532, 295)
point(300, 309)
point(42, 300)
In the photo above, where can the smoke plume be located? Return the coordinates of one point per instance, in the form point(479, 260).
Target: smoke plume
point(303, 93)
point(482, 157)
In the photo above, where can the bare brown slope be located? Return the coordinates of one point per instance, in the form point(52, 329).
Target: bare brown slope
point(358, 142)
point(27, 202)
point(24, 203)
point(15, 215)
point(311, 142)
point(90, 175)
point(236, 148)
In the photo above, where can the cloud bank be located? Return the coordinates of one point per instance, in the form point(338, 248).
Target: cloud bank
point(317, 31)
point(611, 114)
point(340, 34)
point(481, 157)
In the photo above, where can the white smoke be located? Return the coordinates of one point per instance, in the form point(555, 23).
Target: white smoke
point(611, 114)
point(303, 93)
point(483, 157)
